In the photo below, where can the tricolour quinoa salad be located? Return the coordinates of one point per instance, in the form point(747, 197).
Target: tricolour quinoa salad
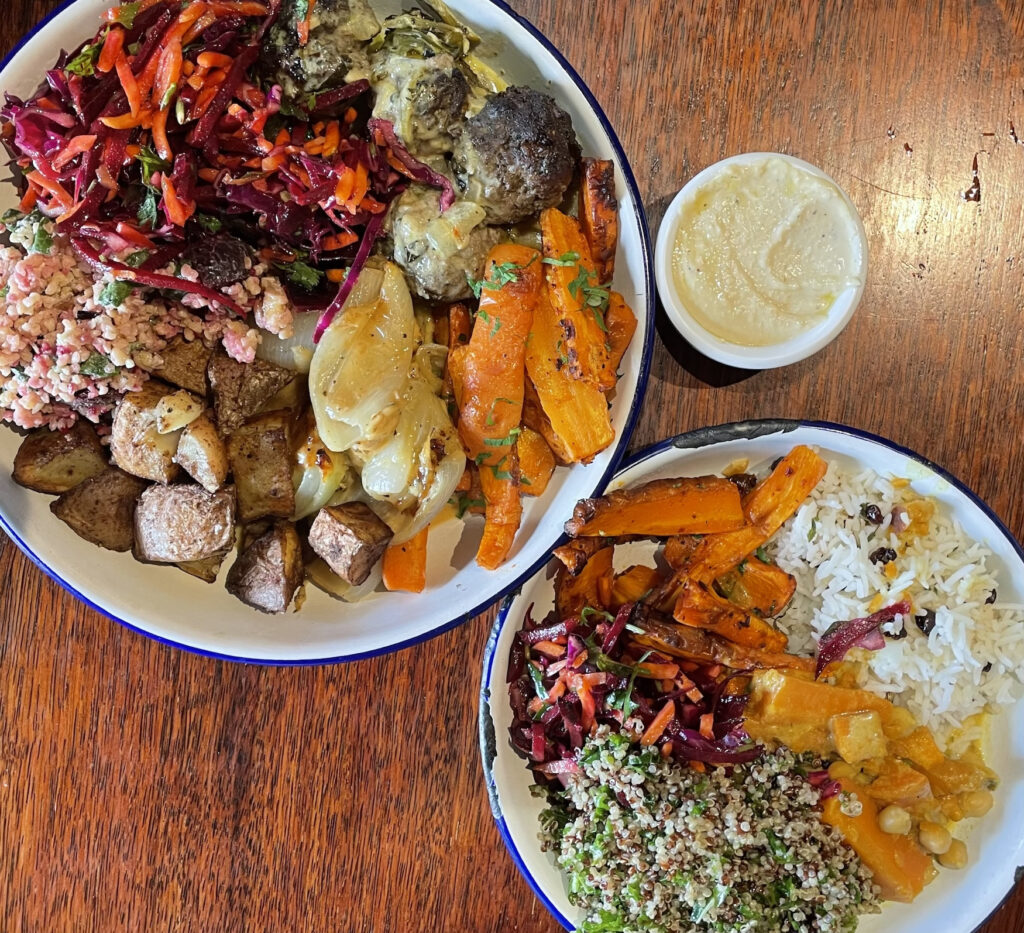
point(775, 720)
point(290, 279)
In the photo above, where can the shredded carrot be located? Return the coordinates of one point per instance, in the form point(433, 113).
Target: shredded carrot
point(199, 27)
point(127, 121)
point(657, 671)
point(213, 60)
point(698, 766)
point(337, 276)
point(105, 178)
point(50, 187)
point(332, 138)
point(74, 148)
point(346, 184)
point(178, 212)
point(130, 85)
point(694, 695)
point(350, 115)
point(29, 200)
point(112, 46)
point(550, 648)
point(362, 185)
point(133, 236)
point(239, 8)
point(306, 24)
point(163, 146)
point(168, 75)
point(339, 240)
point(208, 174)
point(654, 731)
point(707, 725)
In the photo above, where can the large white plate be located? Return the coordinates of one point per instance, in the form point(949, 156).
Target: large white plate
point(957, 902)
point(175, 608)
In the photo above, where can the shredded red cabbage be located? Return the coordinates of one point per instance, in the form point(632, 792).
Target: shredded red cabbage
point(856, 633)
point(384, 131)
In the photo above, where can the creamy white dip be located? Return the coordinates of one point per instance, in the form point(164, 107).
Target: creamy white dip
point(763, 250)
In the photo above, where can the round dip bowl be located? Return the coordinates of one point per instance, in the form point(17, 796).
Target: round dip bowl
point(679, 304)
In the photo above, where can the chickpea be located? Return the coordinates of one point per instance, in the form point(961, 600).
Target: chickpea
point(934, 838)
point(894, 819)
point(956, 857)
point(976, 803)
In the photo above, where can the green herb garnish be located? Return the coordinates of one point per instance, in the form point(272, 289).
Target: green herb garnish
point(113, 294)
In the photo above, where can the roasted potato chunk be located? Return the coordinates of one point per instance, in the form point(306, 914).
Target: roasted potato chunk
point(136, 444)
point(261, 461)
point(269, 570)
point(184, 364)
point(179, 524)
point(240, 389)
point(101, 509)
point(202, 454)
point(206, 569)
point(350, 538)
point(176, 411)
point(55, 461)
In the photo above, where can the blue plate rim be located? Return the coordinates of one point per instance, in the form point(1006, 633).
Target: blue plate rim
point(622, 442)
point(697, 438)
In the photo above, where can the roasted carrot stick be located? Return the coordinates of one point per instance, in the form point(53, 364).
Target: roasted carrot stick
point(502, 515)
point(405, 565)
point(491, 400)
point(599, 214)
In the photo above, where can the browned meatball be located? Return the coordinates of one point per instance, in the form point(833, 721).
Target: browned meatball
point(516, 156)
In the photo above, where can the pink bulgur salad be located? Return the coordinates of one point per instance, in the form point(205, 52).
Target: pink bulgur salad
point(73, 340)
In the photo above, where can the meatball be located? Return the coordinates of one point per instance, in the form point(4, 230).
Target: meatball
point(437, 251)
point(516, 156)
point(425, 99)
point(339, 28)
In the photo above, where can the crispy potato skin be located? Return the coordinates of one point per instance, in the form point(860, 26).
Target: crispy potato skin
point(102, 508)
point(175, 524)
point(240, 389)
point(54, 462)
point(350, 538)
point(202, 454)
point(269, 570)
point(136, 445)
point(260, 456)
point(184, 364)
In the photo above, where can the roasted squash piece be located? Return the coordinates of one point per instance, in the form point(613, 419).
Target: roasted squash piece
point(621, 323)
point(572, 594)
point(688, 505)
point(576, 410)
point(900, 868)
point(633, 584)
point(536, 462)
point(758, 587)
point(701, 607)
point(579, 301)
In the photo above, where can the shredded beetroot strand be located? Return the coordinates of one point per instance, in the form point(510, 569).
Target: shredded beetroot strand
point(856, 633)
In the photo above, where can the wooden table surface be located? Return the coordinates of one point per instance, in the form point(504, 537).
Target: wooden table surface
point(143, 788)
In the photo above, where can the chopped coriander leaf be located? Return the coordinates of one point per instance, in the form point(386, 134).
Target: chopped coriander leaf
point(463, 503)
point(566, 259)
point(762, 555)
point(113, 294)
point(480, 458)
point(505, 441)
point(42, 242)
point(501, 274)
point(209, 223)
point(125, 14)
point(97, 366)
point(84, 63)
point(151, 162)
point(137, 259)
point(147, 209)
point(3, 292)
point(10, 217)
point(301, 273)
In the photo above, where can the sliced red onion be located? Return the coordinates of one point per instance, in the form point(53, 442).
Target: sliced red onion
point(617, 627)
point(417, 170)
point(856, 633)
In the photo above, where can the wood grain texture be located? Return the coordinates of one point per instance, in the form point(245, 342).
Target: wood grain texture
point(142, 788)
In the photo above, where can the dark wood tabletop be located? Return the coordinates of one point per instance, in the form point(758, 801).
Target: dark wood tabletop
point(144, 788)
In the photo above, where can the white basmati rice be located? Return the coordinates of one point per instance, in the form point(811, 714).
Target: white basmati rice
point(970, 661)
